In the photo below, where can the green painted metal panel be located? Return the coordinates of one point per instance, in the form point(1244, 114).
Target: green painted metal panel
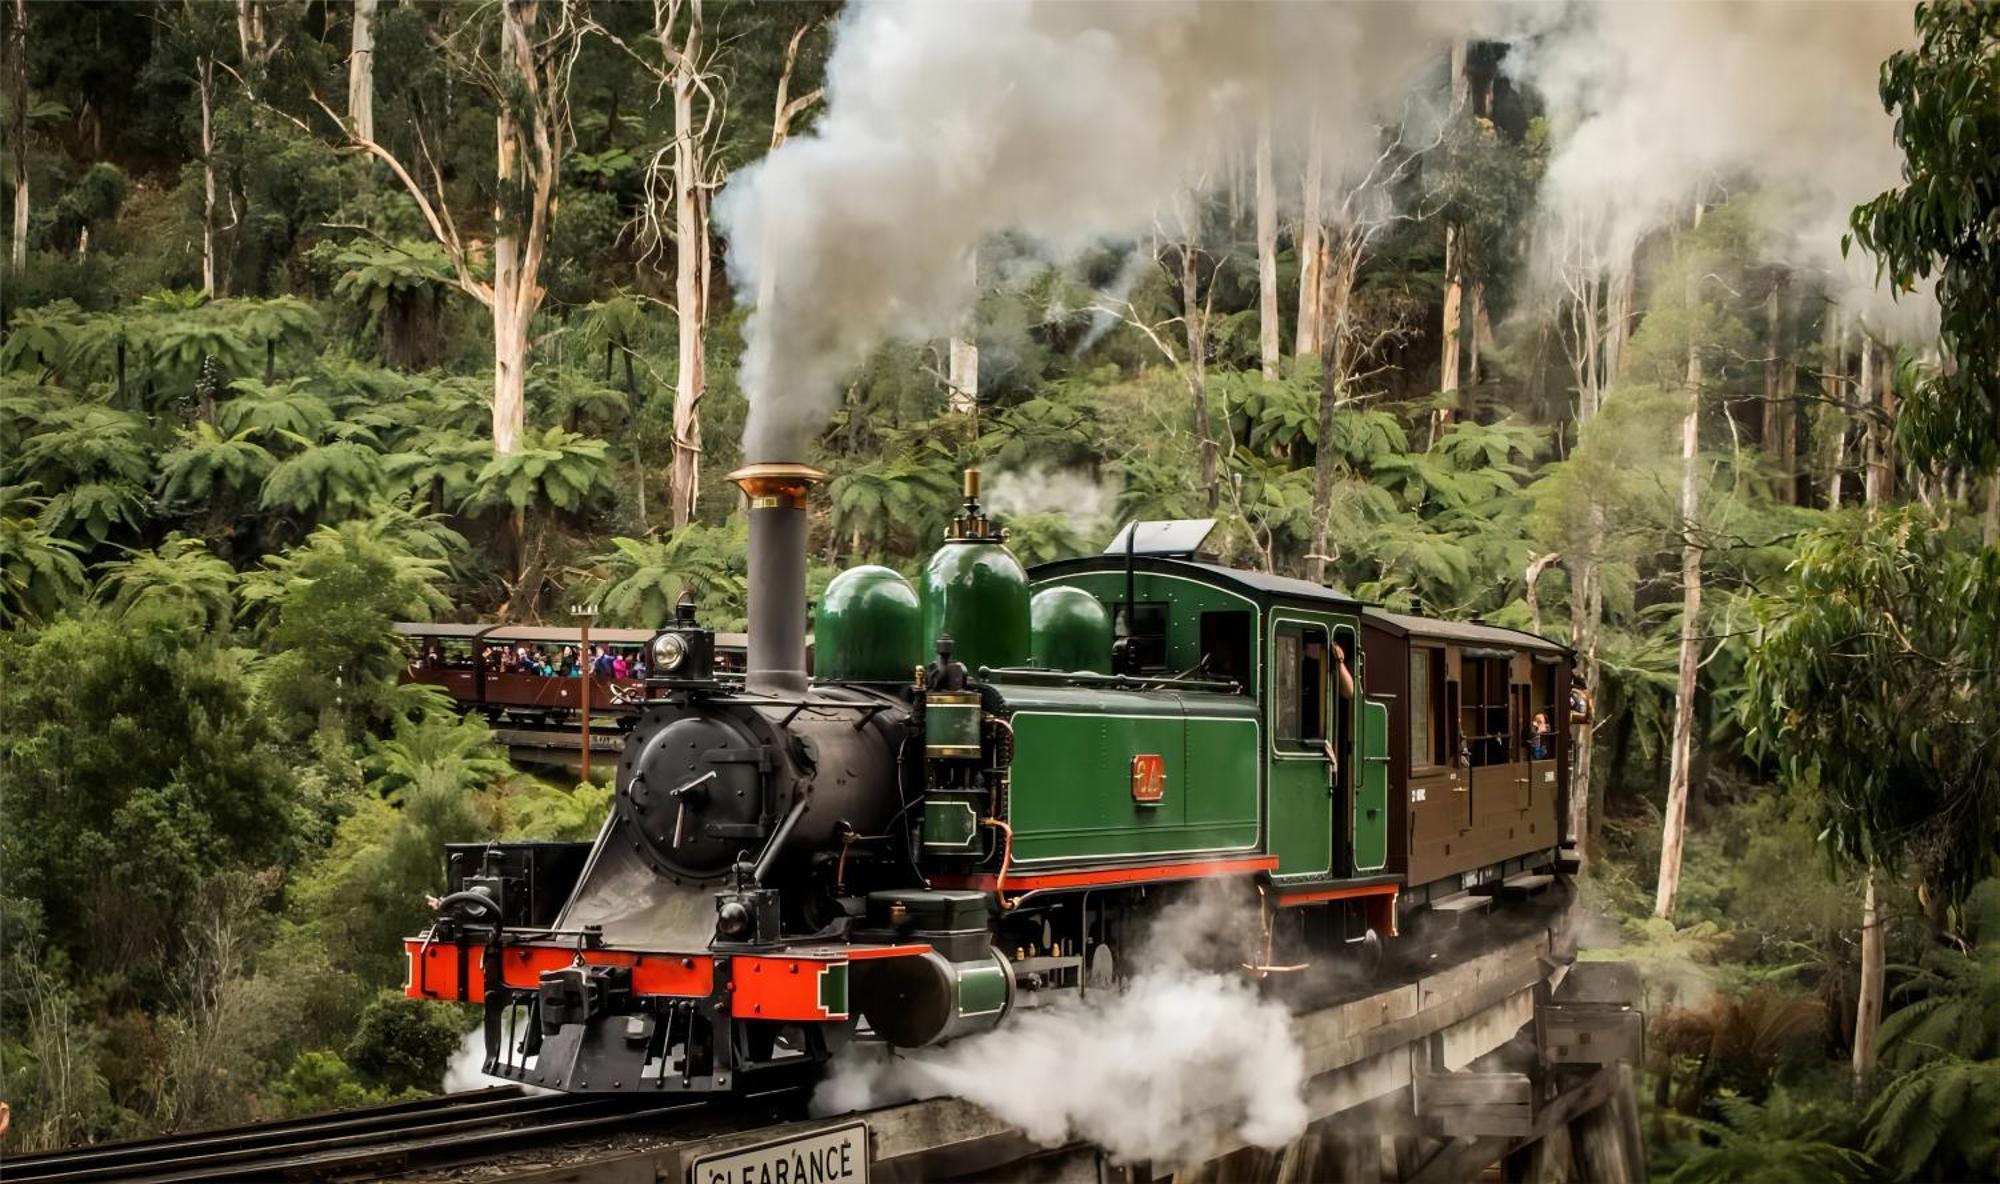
point(982, 988)
point(949, 825)
point(1301, 780)
point(1070, 794)
point(1371, 795)
point(1186, 598)
point(833, 989)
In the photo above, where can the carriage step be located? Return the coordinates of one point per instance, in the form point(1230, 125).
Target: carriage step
point(1454, 908)
point(1568, 860)
point(1526, 884)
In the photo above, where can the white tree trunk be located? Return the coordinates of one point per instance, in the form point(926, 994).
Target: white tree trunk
point(510, 333)
point(1680, 772)
point(361, 71)
point(962, 354)
point(205, 72)
point(1267, 251)
point(1482, 330)
point(528, 132)
point(17, 131)
point(1618, 322)
point(1454, 313)
point(1312, 255)
point(250, 31)
point(963, 375)
point(1868, 1003)
point(1193, 316)
point(690, 267)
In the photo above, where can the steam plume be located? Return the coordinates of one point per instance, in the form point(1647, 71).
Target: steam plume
point(1064, 122)
point(1162, 1070)
point(1652, 104)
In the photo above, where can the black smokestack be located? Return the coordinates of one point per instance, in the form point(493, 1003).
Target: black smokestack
point(777, 503)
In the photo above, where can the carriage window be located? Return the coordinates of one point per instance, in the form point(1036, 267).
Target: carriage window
point(1485, 725)
point(1298, 671)
point(1426, 708)
point(1225, 646)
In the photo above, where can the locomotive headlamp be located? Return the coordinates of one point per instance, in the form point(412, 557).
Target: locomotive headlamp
point(732, 918)
point(669, 651)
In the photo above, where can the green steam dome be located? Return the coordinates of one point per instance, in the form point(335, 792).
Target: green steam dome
point(1071, 630)
point(869, 628)
point(975, 590)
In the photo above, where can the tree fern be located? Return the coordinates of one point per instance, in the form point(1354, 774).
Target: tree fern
point(272, 411)
point(209, 466)
point(40, 573)
point(182, 578)
point(1937, 1122)
point(556, 468)
point(1779, 1142)
point(327, 482)
point(644, 578)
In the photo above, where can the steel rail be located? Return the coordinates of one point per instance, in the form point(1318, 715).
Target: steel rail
point(363, 1144)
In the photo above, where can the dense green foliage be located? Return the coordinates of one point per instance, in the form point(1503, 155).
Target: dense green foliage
point(223, 813)
point(1945, 95)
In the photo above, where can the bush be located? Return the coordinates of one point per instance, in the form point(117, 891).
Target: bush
point(403, 1044)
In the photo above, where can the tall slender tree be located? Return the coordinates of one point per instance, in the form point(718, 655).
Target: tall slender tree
point(1680, 771)
point(17, 125)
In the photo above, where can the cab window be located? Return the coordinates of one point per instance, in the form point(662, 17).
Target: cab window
point(1299, 670)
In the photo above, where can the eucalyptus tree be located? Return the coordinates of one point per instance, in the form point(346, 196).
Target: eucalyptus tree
point(519, 55)
point(1945, 95)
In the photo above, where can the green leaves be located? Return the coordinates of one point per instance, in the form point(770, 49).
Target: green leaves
point(182, 579)
point(40, 572)
point(1945, 95)
point(644, 578)
point(1870, 681)
point(327, 482)
point(905, 498)
point(556, 468)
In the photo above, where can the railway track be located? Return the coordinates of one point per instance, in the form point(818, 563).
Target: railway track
point(365, 1143)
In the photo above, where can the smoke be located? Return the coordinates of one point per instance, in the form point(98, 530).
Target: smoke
point(467, 1070)
point(1064, 123)
point(1652, 105)
point(1040, 489)
point(1165, 1069)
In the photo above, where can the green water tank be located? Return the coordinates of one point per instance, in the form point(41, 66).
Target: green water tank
point(869, 628)
point(1071, 630)
point(975, 590)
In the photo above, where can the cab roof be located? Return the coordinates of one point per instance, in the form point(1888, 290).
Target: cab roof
point(1257, 584)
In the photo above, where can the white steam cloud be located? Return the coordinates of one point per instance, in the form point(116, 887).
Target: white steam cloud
point(1165, 1069)
point(1654, 104)
point(1065, 123)
point(1041, 489)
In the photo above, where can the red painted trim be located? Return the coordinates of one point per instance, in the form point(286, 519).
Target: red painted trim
point(1108, 877)
point(1380, 902)
point(434, 969)
point(1288, 900)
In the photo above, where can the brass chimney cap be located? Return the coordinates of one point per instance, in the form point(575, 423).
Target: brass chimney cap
point(776, 483)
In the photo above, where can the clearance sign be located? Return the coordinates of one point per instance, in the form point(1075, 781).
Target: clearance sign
point(833, 1155)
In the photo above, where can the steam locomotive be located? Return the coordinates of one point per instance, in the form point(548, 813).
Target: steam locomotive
point(980, 794)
